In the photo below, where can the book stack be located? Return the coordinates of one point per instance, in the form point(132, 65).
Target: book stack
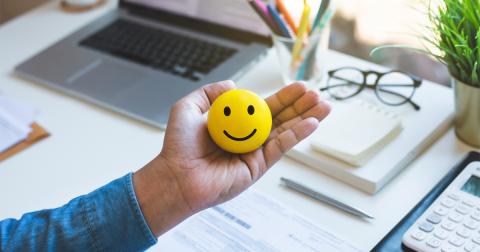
point(365, 143)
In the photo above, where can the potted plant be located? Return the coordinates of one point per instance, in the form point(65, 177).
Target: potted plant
point(455, 26)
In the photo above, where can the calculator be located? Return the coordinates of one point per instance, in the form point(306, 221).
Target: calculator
point(452, 221)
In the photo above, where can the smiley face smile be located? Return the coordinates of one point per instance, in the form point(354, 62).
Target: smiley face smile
point(240, 138)
point(239, 121)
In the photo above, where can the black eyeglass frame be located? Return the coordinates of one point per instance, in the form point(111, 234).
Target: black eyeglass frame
point(416, 83)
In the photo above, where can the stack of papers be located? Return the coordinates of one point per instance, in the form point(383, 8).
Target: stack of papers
point(15, 122)
point(250, 222)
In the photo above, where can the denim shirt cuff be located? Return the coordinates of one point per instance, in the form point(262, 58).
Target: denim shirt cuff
point(137, 212)
point(115, 219)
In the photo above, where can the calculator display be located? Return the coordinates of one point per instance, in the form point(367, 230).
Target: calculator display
point(472, 186)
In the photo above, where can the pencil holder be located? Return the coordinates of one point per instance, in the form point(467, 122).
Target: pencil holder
point(304, 64)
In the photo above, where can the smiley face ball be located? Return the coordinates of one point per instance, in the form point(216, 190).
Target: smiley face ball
point(239, 121)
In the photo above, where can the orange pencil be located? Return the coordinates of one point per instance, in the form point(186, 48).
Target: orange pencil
point(283, 9)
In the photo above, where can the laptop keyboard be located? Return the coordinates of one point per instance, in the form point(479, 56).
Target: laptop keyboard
point(173, 53)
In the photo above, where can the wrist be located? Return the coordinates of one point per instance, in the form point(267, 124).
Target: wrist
point(159, 196)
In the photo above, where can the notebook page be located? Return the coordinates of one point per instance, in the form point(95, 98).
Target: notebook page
point(355, 132)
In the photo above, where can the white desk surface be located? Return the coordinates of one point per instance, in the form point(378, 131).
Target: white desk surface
point(91, 146)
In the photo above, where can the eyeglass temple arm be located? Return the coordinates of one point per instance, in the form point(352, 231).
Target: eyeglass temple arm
point(415, 106)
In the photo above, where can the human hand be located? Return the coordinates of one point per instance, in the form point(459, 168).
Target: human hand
point(199, 173)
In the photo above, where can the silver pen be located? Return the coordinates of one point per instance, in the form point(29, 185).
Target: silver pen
point(324, 198)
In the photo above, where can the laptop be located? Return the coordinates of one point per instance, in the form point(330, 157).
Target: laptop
point(146, 54)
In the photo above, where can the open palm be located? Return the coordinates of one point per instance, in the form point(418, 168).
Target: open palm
point(207, 175)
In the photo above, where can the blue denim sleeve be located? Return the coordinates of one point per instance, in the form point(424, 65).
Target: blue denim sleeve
point(107, 219)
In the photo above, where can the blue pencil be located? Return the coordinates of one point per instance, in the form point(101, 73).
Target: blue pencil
point(268, 21)
point(279, 21)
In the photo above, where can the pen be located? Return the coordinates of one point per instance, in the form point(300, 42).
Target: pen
point(302, 29)
point(324, 198)
point(279, 21)
point(264, 15)
point(283, 9)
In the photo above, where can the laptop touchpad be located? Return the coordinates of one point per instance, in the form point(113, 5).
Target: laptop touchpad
point(102, 80)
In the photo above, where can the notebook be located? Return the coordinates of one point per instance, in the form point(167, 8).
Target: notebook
point(393, 153)
point(355, 132)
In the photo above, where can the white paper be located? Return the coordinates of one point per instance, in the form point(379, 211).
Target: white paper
point(15, 120)
point(22, 112)
point(354, 132)
point(250, 222)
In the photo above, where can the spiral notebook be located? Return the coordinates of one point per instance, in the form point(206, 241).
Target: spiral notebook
point(355, 133)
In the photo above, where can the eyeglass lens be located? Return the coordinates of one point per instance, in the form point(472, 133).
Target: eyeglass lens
point(345, 83)
point(395, 88)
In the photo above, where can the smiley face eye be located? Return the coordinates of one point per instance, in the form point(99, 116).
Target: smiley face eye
point(227, 111)
point(250, 110)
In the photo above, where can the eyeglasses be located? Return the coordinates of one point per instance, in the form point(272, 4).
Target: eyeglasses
point(393, 88)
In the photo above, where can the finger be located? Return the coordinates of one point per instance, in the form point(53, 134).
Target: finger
point(319, 112)
point(203, 97)
point(277, 146)
point(285, 97)
point(308, 100)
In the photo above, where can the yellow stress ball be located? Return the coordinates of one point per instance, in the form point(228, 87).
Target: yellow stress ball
point(239, 121)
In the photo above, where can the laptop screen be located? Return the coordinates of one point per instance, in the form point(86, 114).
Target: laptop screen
point(234, 13)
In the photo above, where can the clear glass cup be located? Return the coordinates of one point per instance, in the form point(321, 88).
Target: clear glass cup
point(307, 67)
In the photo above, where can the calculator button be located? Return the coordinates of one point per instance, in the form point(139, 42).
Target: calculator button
point(476, 239)
point(448, 225)
point(441, 234)
point(470, 223)
point(433, 242)
point(427, 227)
point(456, 241)
point(463, 209)
point(447, 202)
point(454, 196)
point(463, 232)
point(476, 215)
point(455, 217)
point(434, 218)
point(442, 211)
point(448, 248)
point(469, 203)
point(419, 235)
point(469, 247)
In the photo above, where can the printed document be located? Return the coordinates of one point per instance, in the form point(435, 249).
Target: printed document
point(250, 222)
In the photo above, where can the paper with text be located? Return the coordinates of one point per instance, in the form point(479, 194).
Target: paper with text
point(250, 222)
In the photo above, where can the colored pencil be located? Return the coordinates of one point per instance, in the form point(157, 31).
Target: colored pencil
point(302, 30)
point(280, 23)
point(265, 17)
point(321, 11)
point(283, 9)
